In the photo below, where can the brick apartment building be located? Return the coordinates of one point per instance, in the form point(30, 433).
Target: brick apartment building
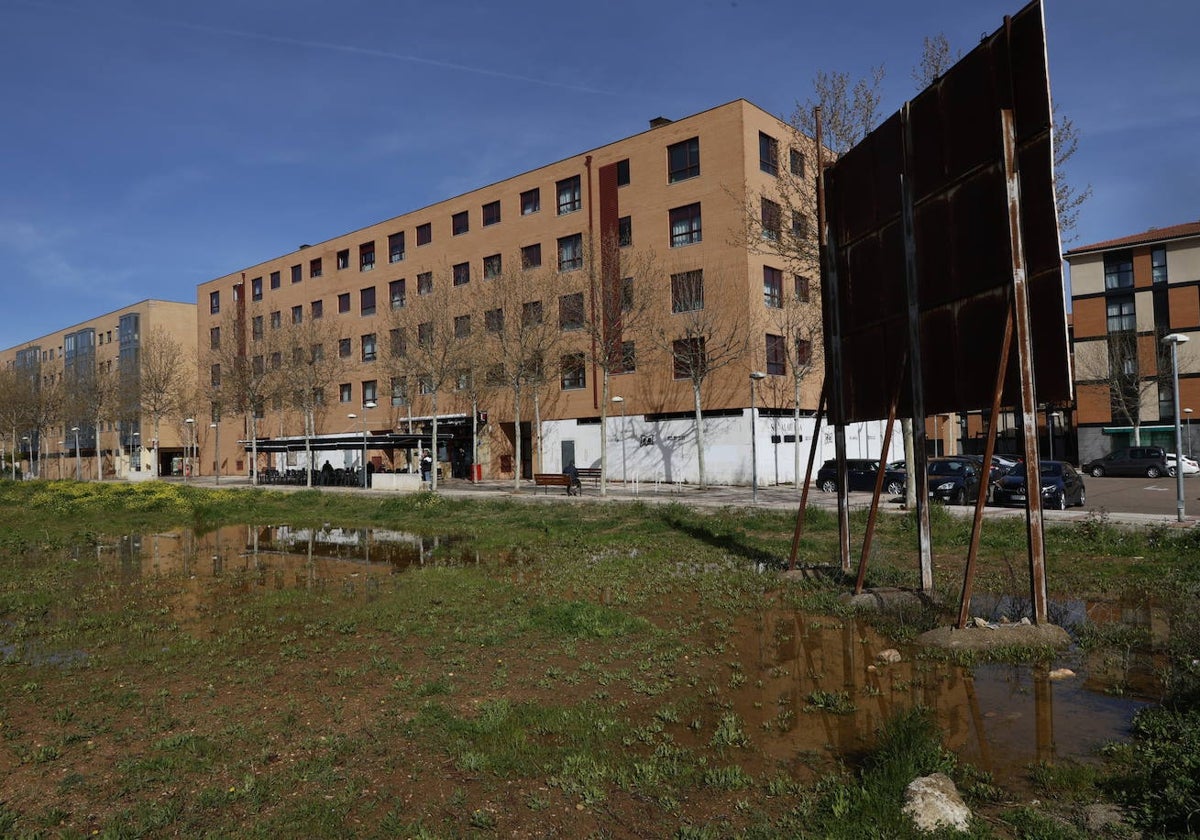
point(673, 216)
point(98, 355)
point(1127, 294)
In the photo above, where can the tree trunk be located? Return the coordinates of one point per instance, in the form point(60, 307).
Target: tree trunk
point(433, 472)
point(699, 436)
point(516, 438)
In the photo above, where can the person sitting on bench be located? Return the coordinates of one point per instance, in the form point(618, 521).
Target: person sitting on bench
point(574, 485)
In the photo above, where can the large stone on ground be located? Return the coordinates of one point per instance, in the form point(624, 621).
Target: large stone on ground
point(933, 802)
point(995, 636)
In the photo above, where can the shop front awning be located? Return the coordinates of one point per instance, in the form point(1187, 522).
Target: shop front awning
point(1128, 430)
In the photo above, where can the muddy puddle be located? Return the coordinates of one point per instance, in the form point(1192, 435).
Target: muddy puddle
point(812, 686)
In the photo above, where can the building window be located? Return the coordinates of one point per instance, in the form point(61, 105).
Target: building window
point(1158, 265)
point(683, 160)
point(258, 365)
point(366, 256)
point(214, 376)
point(493, 320)
point(274, 279)
point(494, 376)
point(314, 267)
point(768, 154)
point(1118, 270)
point(370, 391)
point(531, 255)
point(796, 161)
point(425, 283)
point(625, 231)
point(772, 287)
point(256, 288)
point(627, 294)
point(531, 201)
point(214, 302)
point(776, 355)
point(344, 348)
point(685, 225)
point(687, 291)
point(298, 314)
point(531, 313)
point(276, 320)
point(573, 372)
point(570, 311)
point(316, 309)
point(276, 360)
point(627, 363)
point(568, 195)
point(425, 384)
point(424, 233)
point(800, 226)
point(462, 326)
point(344, 392)
point(398, 342)
point(1121, 314)
point(399, 390)
point(491, 213)
point(688, 357)
point(397, 294)
point(425, 334)
point(803, 351)
point(622, 172)
point(772, 220)
point(214, 338)
point(366, 301)
point(343, 303)
point(396, 247)
point(570, 252)
point(297, 274)
point(802, 288)
point(462, 274)
point(460, 223)
point(368, 347)
point(492, 266)
point(343, 258)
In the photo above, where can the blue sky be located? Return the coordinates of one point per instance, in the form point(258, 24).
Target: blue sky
point(148, 147)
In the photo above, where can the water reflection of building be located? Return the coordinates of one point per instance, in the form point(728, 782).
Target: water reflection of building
point(998, 717)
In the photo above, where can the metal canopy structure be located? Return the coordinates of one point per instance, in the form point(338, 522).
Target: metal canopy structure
point(941, 270)
point(325, 443)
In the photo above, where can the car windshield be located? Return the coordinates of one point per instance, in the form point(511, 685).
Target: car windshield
point(1050, 468)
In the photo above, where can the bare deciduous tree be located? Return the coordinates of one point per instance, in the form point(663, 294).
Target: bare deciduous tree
point(1132, 376)
point(312, 367)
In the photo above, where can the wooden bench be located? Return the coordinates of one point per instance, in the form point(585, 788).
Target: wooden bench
point(552, 480)
point(591, 474)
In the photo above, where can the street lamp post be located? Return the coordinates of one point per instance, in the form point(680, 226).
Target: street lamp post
point(62, 444)
point(1175, 339)
point(755, 376)
point(624, 464)
point(217, 456)
point(29, 450)
point(352, 416)
point(187, 461)
point(78, 464)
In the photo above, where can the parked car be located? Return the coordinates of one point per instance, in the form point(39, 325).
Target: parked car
point(954, 480)
point(1062, 486)
point(860, 475)
point(1190, 467)
point(1150, 461)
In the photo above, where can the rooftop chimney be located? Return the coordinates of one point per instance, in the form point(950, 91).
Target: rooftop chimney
point(659, 122)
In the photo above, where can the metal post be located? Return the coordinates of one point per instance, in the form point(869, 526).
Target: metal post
point(217, 456)
point(1175, 339)
point(187, 461)
point(755, 376)
point(78, 465)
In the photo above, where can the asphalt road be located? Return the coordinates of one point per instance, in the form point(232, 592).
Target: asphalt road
point(1141, 495)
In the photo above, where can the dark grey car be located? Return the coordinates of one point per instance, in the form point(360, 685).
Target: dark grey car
point(1150, 461)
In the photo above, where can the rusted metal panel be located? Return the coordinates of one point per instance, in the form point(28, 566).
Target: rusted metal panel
point(960, 233)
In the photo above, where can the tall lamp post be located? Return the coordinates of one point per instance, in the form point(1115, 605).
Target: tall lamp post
point(624, 464)
point(755, 376)
point(187, 461)
point(29, 450)
point(217, 457)
point(1175, 339)
point(78, 464)
point(352, 416)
